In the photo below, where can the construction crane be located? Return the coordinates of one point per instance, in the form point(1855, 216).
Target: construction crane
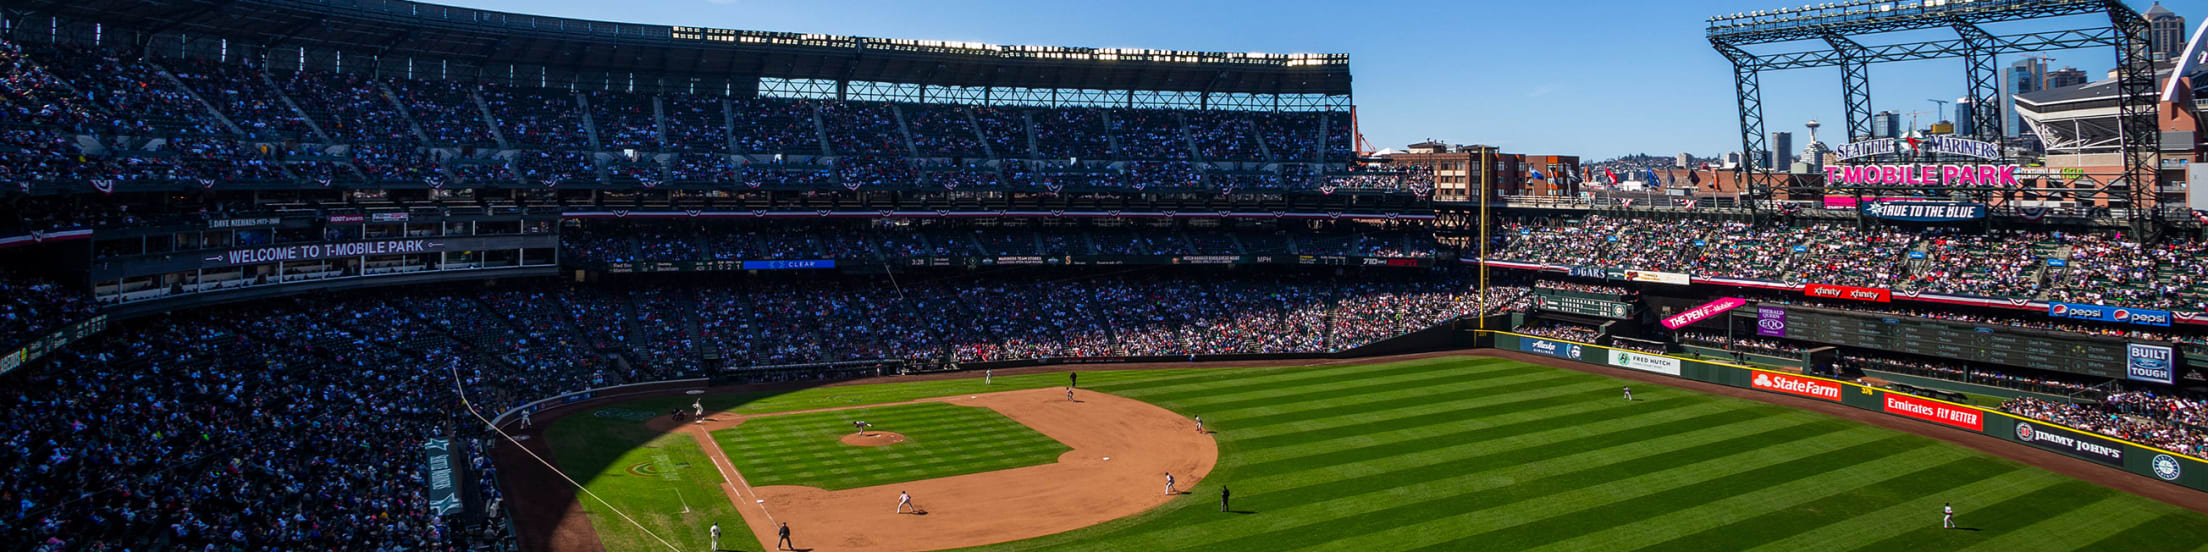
point(1939, 108)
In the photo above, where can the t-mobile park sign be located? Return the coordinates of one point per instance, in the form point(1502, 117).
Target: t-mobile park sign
point(1938, 145)
point(1921, 174)
point(318, 251)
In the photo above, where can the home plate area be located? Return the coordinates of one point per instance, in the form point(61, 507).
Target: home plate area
point(981, 469)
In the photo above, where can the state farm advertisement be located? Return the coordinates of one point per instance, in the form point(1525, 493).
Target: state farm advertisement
point(1935, 412)
point(1828, 291)
point(1704, 312)
point(1795, 385)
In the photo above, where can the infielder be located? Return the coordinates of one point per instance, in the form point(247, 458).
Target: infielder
point(1628, 394)
point(904, 500)
point(697, 411)
point(716, 536)
point(1169, 483)
point(862, 426)
point(785, 543)
point(1947, 515)
point(1199, 424)
point(1069, 394)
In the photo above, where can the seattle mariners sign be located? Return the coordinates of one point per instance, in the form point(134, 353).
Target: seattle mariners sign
point(2167, 467)
point(2070, 442)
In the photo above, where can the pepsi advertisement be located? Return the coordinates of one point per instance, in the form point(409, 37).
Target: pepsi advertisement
point(2123, 315)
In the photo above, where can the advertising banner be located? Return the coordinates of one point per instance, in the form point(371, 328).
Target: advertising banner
point(1796, 385)
point(2051, 437)
point(2150, 363)
point(318, 251)
point(1704, 312)
point(1828, 291)
point(2125, 315)
point(787, 265)
point(390, 217)
point(1924, 211)
point(1667, 278)
point(1646, 363)
point(1936, 412)
point(1558, 349)
point(1771, 321)
point(444, 491)
point(348, 219)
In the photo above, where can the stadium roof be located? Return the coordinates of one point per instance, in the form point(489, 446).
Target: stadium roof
point(405, 28)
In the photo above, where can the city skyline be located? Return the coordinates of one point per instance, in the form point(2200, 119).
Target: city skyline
point(1517, 87)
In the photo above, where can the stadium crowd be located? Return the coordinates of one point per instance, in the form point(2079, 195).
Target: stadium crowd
point(2171, 423)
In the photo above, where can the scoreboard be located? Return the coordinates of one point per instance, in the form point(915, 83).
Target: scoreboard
point(1990, 343)
point(1567, 302)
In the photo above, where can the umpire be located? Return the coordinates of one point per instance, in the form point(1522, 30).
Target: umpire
point(1223, 498)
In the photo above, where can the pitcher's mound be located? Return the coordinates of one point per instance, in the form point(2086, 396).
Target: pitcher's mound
point(873, 439)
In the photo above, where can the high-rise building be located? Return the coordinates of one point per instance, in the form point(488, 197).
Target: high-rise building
point(2065, 77)
point(1964, 127)
point(2165, 33)
point(1682, 160)
point(1886, 124)
point(2023, 77)
point(1782, 150)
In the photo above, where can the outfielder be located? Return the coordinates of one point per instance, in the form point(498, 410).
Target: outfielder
point(1947, 515)
point(716, 531)
point(525, 420)
point(904, 500)
point(1169, 483)
point(1628, 394)
point(989, 377)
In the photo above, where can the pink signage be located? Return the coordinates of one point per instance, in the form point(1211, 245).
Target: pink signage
point(1703, 312)
point(1922, 175)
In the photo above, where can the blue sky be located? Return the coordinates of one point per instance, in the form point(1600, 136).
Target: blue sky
point(1590, 78)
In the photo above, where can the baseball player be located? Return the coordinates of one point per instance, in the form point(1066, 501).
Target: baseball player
point(989, 377)
point(1069, 394)
point(1073, 379)
point(1947, 515)
point(1199, 424)
point(862, 426)
point(716, 531)
point(904, 500)
point(525, 420)
point(1222, 498)
point(1169, 483)
point(785, 543)
point(1628, 394)
point(697, 411)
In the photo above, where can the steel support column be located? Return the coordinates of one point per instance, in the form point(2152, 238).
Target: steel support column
point(1982, 82)
point(2135, 120)
point(1749, 97)
point(1855, 85)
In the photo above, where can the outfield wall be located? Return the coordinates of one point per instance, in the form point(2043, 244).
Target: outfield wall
point(2147, 461)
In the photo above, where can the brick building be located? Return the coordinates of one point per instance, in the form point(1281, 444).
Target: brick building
point(1459, 169)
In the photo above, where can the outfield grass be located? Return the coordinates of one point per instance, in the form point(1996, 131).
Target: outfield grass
point(1488, 454)
point(941, 440)
point(652, 477)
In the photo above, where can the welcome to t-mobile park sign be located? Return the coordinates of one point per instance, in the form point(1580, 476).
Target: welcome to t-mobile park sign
point(316, 251)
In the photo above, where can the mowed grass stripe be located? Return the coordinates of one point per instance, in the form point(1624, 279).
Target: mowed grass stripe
point(1412, 415)
point(1666, 492)
point(2076, 528)
point(1667, 526)
point(1796, 519)
point(1334, 501)
point(2154, 534)
point(1492, 443)
point(1205, 382)
point(2006, 515)
point(1913, 512)
point(1430, 381)
point(1403, 515)
point(1562, 513)
point(1310, 453)
point(1362, 405)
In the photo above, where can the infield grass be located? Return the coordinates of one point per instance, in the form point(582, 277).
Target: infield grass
point(1490, 454)
point(941, 440)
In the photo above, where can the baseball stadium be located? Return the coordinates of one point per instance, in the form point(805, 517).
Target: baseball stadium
point(402, 276)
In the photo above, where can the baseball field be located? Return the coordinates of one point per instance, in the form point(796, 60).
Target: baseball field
point(1448, 453)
